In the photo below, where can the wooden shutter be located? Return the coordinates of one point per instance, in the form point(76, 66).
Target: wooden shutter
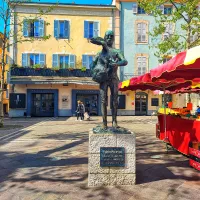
point(135, 8)
point(55, 60)
point(56, 23)
point(161, 7)
point(84, 60)
point(24, 60)
point(25, 28)
point(42, 60)
point(72, 61)
point(96, 29)
point(86, 29)
point(66, 31)
point(41, 28)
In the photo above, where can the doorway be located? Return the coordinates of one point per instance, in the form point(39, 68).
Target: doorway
point(42, 105)
point(90, 102)
point(141, 102)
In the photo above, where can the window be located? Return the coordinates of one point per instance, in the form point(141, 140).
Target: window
point(194, 37)
point(167, 10)
point(91, 29)
point(137, 9)
point(63, 61)
point(166, 59)
point(61, 29)
point(154, 102)
point(141, 10)
point(141, 65)
point(33, 59)
point(169, 30)
point(7, 94)
point(121, 101)
point(7, 59)
point(87, 60)
point(141, 32)
point(33, 29)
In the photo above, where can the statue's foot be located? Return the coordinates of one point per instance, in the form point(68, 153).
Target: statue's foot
point(104, 127)
point(114, 125)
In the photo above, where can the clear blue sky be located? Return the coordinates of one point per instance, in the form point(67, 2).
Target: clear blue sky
point(64, 1)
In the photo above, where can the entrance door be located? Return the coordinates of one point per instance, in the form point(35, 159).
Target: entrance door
point(90, 102)
point(42, 105)
point(141, 100)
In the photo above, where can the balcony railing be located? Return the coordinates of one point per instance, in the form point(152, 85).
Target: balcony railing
point(19, 71)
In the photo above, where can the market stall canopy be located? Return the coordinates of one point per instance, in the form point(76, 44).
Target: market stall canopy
point(144, 82)
point(184, 65)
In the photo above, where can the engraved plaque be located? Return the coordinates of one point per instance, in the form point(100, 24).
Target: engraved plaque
point(112, 157)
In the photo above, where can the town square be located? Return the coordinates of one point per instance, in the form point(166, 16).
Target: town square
point(99, 99)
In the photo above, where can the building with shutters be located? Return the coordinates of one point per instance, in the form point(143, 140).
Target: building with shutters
point(48, 77)
point(6, 86)
point(132, 26)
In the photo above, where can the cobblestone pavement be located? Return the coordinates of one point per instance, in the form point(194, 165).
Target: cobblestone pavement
point(47, 160)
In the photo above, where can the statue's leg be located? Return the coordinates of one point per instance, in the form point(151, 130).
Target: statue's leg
point(103, 94)
point(114, 95)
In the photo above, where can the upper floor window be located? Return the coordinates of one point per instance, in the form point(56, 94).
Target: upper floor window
point(169, 30)
point(33, 29)
point(29, 60)
point(141, 65)
point(166, 9)
point(87, 60)
point(61, 29)
point(63, 61)
point(91, 29)
point(137, 9)
point(141, 34)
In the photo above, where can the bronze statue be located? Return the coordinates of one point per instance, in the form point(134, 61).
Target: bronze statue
point(104, 71)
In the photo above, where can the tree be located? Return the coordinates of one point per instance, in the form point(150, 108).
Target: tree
point(10, 36)
point(171, 40)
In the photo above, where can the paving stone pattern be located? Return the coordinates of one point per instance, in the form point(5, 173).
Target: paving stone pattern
point(47, 159)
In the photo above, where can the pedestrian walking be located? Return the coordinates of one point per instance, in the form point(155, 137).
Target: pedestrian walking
point(80, 111)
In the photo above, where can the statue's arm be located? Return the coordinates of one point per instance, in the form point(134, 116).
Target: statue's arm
point(121, 59)
point(94, 63)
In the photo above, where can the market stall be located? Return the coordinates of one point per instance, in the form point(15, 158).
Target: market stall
point(176, 126)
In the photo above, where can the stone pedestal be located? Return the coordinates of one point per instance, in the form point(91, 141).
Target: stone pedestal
point(99, 176)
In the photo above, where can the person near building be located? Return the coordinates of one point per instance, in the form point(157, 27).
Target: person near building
point(80, 111)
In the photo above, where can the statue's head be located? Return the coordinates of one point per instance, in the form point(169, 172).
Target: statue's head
point(109, 37)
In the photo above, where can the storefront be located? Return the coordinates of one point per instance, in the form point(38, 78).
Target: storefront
point(90, 98)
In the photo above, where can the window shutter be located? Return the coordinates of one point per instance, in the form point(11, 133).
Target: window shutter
point(24, 60)
point(72, 61)
point(96, 29)
point(161, 7)
point(66, 32)
point(42, 60)
point(55, 60)
point(90, 60)
point(84, 61)
point(41, 28)
point(135, 8)
point(86, 29)
point(25, 28)
point(56, 28)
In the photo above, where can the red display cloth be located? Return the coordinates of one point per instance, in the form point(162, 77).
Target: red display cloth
point(180, 132)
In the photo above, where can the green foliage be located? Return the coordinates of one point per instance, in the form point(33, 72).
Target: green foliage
point(55, 68)
point(83, 69)
point(184, 13)
point(37, 66)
